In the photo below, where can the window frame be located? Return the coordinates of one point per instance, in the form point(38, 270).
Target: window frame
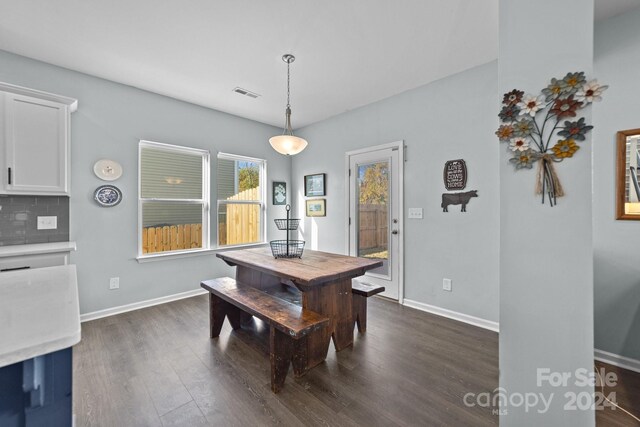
point(263, 199)
point(205, 201)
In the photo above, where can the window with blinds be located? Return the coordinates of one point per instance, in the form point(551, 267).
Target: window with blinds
point(241, 200)
point(173, 198)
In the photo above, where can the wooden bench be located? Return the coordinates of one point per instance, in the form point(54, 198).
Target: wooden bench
point(362, 291)
point(289, 324)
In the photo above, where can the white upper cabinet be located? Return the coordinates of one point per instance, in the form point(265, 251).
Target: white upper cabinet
point(35, 141)
point(36, 146)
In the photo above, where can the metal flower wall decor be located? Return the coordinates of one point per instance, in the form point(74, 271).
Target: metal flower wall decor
point(530, 124)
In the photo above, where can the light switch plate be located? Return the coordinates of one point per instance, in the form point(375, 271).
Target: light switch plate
point(446, 284)
point(47, 222)
point(415, 213)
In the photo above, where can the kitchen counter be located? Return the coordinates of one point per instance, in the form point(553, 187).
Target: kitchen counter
point(36, 249)
point(39, 312)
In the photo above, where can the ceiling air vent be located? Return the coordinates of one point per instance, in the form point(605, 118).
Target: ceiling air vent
point(245, 92)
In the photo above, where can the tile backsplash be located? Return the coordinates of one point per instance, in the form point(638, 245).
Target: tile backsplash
point(19, 219)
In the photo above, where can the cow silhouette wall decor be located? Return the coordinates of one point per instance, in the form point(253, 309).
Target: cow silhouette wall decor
point(457, 199)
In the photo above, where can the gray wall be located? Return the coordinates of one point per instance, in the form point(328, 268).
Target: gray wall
point(110, 120)
point(616, 243)
point(448, 119)
point(546, 254)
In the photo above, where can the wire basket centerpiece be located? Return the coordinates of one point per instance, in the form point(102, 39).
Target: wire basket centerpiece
point(287, 248)
point(287, 224)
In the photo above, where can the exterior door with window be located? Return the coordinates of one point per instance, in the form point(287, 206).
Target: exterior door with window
point(375, 213)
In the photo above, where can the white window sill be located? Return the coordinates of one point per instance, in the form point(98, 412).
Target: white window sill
point(187, 254)
point(174, 255)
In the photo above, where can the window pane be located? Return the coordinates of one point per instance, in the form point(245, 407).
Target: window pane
point(239, 223)
point(171, 226)
point(373, 213)
point(238, 180)
point(170, 174)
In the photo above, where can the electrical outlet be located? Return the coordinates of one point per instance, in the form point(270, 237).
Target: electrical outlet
point(114, 283)
point(446, 284)
point(415, 213)
point(47, 222)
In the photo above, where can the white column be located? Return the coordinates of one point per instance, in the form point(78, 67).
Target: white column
point(546, 253)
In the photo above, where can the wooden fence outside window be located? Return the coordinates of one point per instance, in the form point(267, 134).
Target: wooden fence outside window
point(241, 225)
point(171, 238)
point(374, 228)
point(242, 221)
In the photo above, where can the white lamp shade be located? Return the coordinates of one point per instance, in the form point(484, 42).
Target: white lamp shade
point(288, 144)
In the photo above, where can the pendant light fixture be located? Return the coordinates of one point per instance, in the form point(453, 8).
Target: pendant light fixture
point(287, 143)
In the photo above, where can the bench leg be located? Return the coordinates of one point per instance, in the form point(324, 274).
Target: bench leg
point(218, 309)
point(245, 318)
point(300, 357)
point(280, 353)
point(359, 310)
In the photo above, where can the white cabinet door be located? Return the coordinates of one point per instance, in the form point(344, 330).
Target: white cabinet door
point(36, 146)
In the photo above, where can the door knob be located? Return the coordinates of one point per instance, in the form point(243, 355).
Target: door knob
point(394, 232)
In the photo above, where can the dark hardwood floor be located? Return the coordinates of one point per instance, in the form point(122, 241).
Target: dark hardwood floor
point(627, 394)
point(158, 367)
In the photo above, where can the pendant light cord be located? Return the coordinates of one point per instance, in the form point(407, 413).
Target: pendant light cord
point(287, 123)
point(288, 84)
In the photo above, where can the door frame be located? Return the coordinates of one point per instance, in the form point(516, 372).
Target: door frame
point(399, 145)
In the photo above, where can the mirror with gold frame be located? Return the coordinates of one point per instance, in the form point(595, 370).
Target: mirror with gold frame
point(628, 175)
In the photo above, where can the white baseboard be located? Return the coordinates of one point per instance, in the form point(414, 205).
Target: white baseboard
point(461, 317)
point(617, 360)
point(138, 305)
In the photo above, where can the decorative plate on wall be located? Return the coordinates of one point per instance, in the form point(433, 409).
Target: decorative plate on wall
point(107, 170)
point(108, 195)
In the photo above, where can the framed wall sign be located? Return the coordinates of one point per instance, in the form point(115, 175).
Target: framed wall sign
point(316, 207)
point(314, 185)
point(279, 193)
point(455, 175)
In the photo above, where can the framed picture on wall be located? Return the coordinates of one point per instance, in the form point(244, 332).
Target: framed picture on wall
point(279, 193)
point(316, 207)
point(314, 185)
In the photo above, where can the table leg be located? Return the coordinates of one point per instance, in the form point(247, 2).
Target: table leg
point(334, 301)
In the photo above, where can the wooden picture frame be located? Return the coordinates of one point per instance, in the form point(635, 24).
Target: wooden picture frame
point(279, 193)
point(621, 174)
point(316, 207)
point(314, 185)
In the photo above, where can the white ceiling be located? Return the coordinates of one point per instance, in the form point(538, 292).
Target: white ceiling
point(349, 52)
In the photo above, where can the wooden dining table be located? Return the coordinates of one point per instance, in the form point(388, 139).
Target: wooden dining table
point(319, 281)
